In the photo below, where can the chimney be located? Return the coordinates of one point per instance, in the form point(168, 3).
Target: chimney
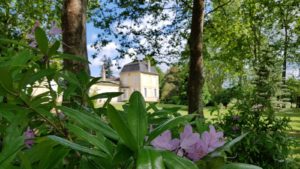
point(103, 72)
point(149, 65)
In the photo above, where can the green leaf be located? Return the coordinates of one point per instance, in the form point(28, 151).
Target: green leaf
point(122, 154)
point(215, 162)
point(25, 163)
point(240, 166)
point(93, 81)
point(39, 75)
point(137, 117)
point(9, 41)
point(6, 80)
point(12, 145)
point(53, 157)
point(77, 147)
point(53, 49)
point(37, 152)
point(121, 126)
point(228, 145)
point(42, 40)
point(106, 95)
point(173, 161)
point(149, 159)
point(21, 59)
point(169, 125)
point(153, 107)
point(90, 121)
point(71, 78)
point(98, 141)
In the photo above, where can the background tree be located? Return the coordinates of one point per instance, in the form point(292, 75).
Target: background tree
point(107, 63)
point(196, 75)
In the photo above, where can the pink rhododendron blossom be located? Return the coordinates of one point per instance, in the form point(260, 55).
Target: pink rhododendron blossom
point(33, 44)
point(165, 142)
point(198, 151)
point(190, 144)
point(54, 30)
point(213, 139)
point(29, 137)
point(188, 138)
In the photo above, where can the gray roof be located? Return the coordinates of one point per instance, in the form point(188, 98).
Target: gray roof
point(139, 66)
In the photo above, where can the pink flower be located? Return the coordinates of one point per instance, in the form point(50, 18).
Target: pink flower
point(33, 44)
point(165, 142)
point(190, 144)
point(200, 149)
point(29, 137)
point(54, 30)
point(213, 139)
point(188, 139)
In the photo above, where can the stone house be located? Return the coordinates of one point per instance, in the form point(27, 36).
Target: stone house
point(135, 76)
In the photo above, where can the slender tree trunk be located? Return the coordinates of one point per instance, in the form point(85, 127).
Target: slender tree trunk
point(284, 66)
point(298, 102)
point(74, 33)
point(196, 76)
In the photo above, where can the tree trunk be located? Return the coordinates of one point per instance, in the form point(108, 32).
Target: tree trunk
point(298, 102)
point(74, 33)
point(284, 66)
point(196, 76)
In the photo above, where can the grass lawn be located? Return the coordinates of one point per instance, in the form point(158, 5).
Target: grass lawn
point(294, 115)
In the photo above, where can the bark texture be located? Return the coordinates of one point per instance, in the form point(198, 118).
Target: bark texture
point(196, 76)
point(74, 33)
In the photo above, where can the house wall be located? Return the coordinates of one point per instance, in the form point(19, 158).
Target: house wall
point(149, 87)
point(103, 88)
point(42, 87)
point(130, 82)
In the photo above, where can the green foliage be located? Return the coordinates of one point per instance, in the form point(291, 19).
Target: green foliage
point(267, 144)
point(294, 86)
point(226, 95)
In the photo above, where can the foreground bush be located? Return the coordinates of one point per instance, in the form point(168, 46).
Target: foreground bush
point(37, 132)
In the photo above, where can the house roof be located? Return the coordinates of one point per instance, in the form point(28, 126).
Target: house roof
point(108, 83)
point(139, 66)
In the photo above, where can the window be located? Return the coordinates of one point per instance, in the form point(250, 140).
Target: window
point(145, 92)
point(155, 93)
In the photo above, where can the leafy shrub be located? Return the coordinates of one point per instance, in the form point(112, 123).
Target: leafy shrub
point(226, 95)
point(294, 86)
point(267, 144)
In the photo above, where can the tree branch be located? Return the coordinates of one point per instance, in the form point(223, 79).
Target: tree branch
point(216, 8)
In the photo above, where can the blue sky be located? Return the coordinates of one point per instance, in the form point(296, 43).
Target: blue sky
point(91, 34)
point(108, 50)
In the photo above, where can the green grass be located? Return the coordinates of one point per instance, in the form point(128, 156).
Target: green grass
point(294, 115)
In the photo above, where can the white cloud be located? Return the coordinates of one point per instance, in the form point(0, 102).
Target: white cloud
point(118, 65)
point(90, 49)
point(109, 51)
point(94, 37)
